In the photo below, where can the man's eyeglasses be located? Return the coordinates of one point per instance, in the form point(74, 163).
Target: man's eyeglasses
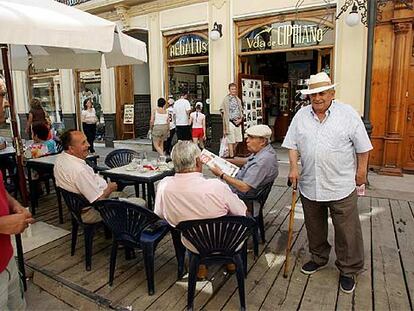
point(3, 93)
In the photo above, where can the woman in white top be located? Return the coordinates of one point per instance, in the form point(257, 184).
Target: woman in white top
point(160, 126)
point(198, 121)
point(89, 119)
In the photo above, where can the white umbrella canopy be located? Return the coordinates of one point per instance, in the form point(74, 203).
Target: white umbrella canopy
point(54, 35)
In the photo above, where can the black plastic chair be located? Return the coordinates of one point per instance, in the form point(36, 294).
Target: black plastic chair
point(121, 157)
point(260, 197)
point(218, 240)
point(75, 203)
point(132, 226)
point(59, 146)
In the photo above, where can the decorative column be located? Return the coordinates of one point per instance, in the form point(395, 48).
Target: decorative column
point(399, 76)
point(67, 88)
point(108, 104)
point(220, 59)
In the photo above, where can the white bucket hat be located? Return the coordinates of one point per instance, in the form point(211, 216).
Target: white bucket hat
point(318, 83)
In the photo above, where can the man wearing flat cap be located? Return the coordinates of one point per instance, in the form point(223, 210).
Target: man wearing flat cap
point(258, 169)
point(333, 146)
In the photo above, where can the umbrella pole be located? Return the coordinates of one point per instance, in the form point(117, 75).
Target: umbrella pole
point(19, 156)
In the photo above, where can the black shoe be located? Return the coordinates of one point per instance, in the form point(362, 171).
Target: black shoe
point(347, 284)
point(311, 267)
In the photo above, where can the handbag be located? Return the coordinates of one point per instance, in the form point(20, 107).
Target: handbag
point(224, 148)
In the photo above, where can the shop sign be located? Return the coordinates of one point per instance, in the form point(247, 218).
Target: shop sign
point(288, 34)
point(188, 46)
point(128, 114)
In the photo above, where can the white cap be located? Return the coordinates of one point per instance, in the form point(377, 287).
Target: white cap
point(260, 130)
point(199, 104)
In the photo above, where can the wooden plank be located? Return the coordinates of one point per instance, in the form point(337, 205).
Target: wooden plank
point(72, 297)
point(47, 247)
point(219, 299)
point(269, 267)
point(361, 299)
point(99, 275)
point(176, 297)
point(322, 288)
point(404, 230)
point(389, 288)
point(132, 285)
point(286, 294)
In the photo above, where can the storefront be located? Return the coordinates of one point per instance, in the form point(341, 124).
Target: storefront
point(45, 85)
point(89, 86)
point(276, 56)
point(186, 68)
point(271, 46)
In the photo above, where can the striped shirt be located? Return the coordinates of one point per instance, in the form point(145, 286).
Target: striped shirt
point(327, 150)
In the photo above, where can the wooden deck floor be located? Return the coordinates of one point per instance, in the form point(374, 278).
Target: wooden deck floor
point(386, 284)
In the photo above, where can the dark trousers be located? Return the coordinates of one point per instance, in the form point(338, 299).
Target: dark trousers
point(183, 132)
point(168, 143)
point(349, 246)
point(90, 133)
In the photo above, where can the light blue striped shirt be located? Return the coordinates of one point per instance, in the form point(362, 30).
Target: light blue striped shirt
point(327, 150)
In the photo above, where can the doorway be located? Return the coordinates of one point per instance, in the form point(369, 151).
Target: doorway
point(408, 141)
point(284, 75)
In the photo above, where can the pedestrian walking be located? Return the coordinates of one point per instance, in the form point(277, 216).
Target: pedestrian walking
point(89, 120)
point(171, 117)
point(160, 126)
point(333, 146)
point(182, 109)
point(198, 123)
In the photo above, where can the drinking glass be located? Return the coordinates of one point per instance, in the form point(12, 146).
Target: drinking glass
point(144, 158)
point(162, 159)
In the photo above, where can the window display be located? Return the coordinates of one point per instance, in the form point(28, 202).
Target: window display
point(252, 92)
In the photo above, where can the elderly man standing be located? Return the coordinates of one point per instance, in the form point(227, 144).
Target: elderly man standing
point(188, 195)
point(333, 144)
point(14, 219)
point(73, 174)
point(259, 169)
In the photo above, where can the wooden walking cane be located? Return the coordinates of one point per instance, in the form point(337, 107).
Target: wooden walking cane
point(290, 229)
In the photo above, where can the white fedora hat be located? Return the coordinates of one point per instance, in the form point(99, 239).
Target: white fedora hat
point(318, 83)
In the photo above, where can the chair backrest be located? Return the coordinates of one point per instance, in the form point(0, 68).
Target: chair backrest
point(59, 146)
point(120, 157)
point(263, 193)
point(75, 202)
point(217, 236)
point(126, 220)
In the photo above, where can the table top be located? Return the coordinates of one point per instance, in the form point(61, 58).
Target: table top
point(124, 172)
point(49, 160)
point(7, 151)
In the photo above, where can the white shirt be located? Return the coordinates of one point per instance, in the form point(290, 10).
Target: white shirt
point(89, 117)
point(74, 175)
point(198, 118)
point(327, 150)
point(171, 115)
point(181, 107)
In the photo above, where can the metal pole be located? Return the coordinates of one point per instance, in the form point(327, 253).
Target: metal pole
point(19, 156)
point(372, 19)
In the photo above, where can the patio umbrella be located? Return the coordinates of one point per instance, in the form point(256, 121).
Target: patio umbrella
point(49, 34)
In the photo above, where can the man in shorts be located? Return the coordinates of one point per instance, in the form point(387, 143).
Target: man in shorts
point(232, 114)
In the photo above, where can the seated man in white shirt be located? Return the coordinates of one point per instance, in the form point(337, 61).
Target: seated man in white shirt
point(73, 174)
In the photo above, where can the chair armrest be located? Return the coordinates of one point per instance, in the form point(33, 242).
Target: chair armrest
point(102, 168)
